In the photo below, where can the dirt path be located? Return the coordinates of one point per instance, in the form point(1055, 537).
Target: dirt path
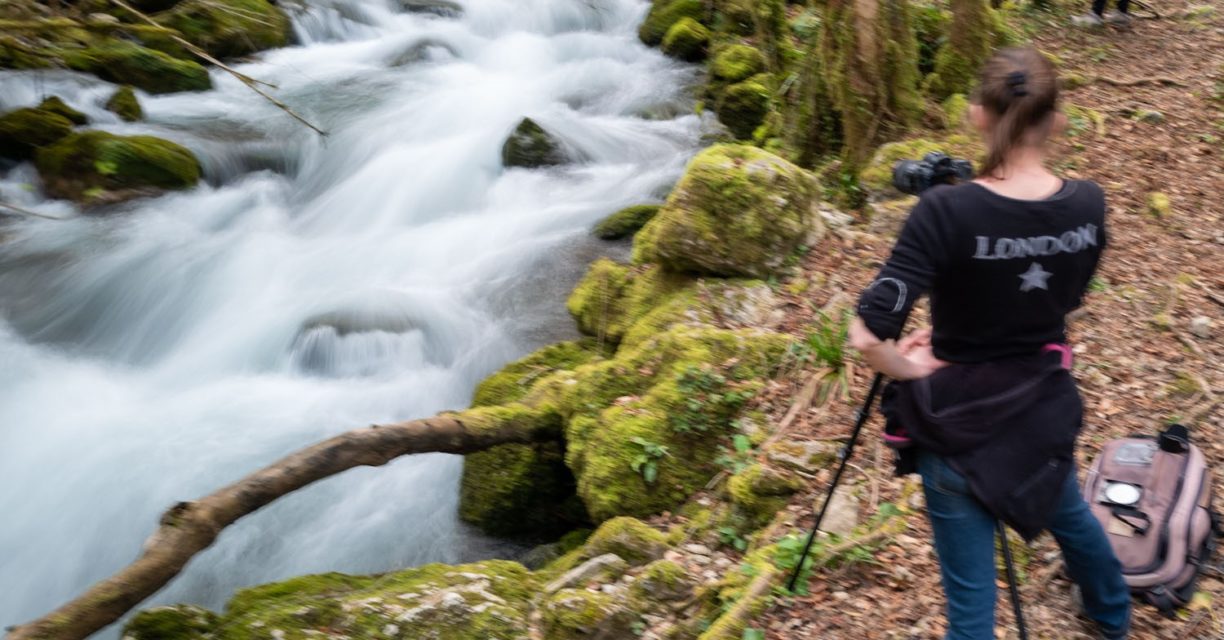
point(1141, 359)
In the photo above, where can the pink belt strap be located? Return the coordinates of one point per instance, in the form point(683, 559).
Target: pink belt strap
point(1063, 350)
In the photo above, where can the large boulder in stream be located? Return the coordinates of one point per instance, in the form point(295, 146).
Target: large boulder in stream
point(24, 131)
point(128, 63)
point(229, 28)
point(530, 146)
point(96, 166)
point(738, 211)
point(124, 104)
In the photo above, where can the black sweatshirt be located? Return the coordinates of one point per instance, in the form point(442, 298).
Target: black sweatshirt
point(1002, 273)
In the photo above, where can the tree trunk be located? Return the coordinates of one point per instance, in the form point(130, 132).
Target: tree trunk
point(190, 527)
point(869, 50)
point(970, 43)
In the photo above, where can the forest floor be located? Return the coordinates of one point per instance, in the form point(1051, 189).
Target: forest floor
point(1142, 357)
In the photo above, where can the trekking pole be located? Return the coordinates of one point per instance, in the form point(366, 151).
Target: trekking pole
point(1011, 580)
point(845, 454)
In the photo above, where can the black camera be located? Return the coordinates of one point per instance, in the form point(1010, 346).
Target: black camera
point(915, 176)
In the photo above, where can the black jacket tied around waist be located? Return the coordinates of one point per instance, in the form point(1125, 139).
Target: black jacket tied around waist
point(1008, 426)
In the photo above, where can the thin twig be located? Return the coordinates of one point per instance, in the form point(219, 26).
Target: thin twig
point(250, 82)
point(27, 212)
point(1135, 82)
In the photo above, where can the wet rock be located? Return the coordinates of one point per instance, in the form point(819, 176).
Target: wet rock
point(625, 222)
point(24, 131)
point(95, 166)
point(176, 622)
point(686, 40)
point(423, 50)
point(441, 8)
point(530, 146)
point(742, 107)
point(125, 105)
point(665, 13)
point(127, 63)
point(229, 28)
point(608, 565)
point(57, 106)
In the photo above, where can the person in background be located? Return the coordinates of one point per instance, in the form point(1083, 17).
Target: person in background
point(1099, 18)
point(1005, 258)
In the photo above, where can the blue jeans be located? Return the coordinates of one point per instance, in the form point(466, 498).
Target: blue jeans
point(964, 540)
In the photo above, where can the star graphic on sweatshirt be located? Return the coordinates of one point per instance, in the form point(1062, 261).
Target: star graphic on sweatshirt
point(1035, 278)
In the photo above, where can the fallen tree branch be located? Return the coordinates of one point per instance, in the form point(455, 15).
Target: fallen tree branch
point(27, 212)
point(190, 527)
point(250, 82)
point(1163, 81)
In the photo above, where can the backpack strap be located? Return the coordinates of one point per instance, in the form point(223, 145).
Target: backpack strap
point(1126, 515)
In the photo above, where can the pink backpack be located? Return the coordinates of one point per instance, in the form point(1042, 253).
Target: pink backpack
point(1153, 497)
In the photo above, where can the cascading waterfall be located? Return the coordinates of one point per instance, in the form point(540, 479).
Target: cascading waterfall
point(312, 285)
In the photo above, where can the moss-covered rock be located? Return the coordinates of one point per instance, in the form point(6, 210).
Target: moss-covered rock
point(759, 492)
point(127, 63)
point(125, 105)
point(736, 63)
point(665, 13)
point(738, 210)
point(512, 382)
point(686, 40)
point(573, 614)
point(94, 165)
point(625, 222)
point(229, 28)
point(24, 131)
point(176, 622)
point(876, 178)
point(668, 403)
point(483, 600)
point(634, 541)
point(530, 146)
point(742, 107)
point(661, 581)
point(520, 490)
point(57, 106)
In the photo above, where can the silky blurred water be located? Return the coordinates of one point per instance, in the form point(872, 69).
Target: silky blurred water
point(311, 286)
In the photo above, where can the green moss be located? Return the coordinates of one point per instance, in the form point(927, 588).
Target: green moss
point(931, 25)
point(736, 63)
point(126, 63)
point(571, 614)
point(83, 163)
point(596, 303)
point(811, 122)
point(686, 40)
point(229, 28)
point(177, 622)
point(520, 490)
point(1159, 206)
point(625, 222)
point(24, 131)
point(59, 108)
point(124, 104)
point(638, 397)
point(665, 13)
point(956, 112)
point(530, 146)
point(512, 382)
point(661, 581)
point(735, 17)
point(971, 40)
point(738, 210)
point(16, 54)
point(633, 540)
point(760, 492)
point(742, 107)
point(482, 600)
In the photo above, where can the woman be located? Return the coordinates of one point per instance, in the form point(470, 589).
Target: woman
point(989, 401)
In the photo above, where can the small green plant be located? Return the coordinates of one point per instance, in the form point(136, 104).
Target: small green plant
point(106, 167)
point(1098, 285)
point(738, 457)
point(646, 463)
point(709, 398)
point(731, 537)
point(787, 558)
point(825, 343)
point(753, 634)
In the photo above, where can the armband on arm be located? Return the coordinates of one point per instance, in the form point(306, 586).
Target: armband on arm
point(885, 305)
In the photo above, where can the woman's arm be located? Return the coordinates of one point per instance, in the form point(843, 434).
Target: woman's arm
point(909, 360)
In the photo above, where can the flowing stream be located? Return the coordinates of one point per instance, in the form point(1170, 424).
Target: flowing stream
point(311, 285)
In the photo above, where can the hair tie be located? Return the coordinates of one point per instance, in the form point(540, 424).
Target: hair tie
point(1016, 81)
